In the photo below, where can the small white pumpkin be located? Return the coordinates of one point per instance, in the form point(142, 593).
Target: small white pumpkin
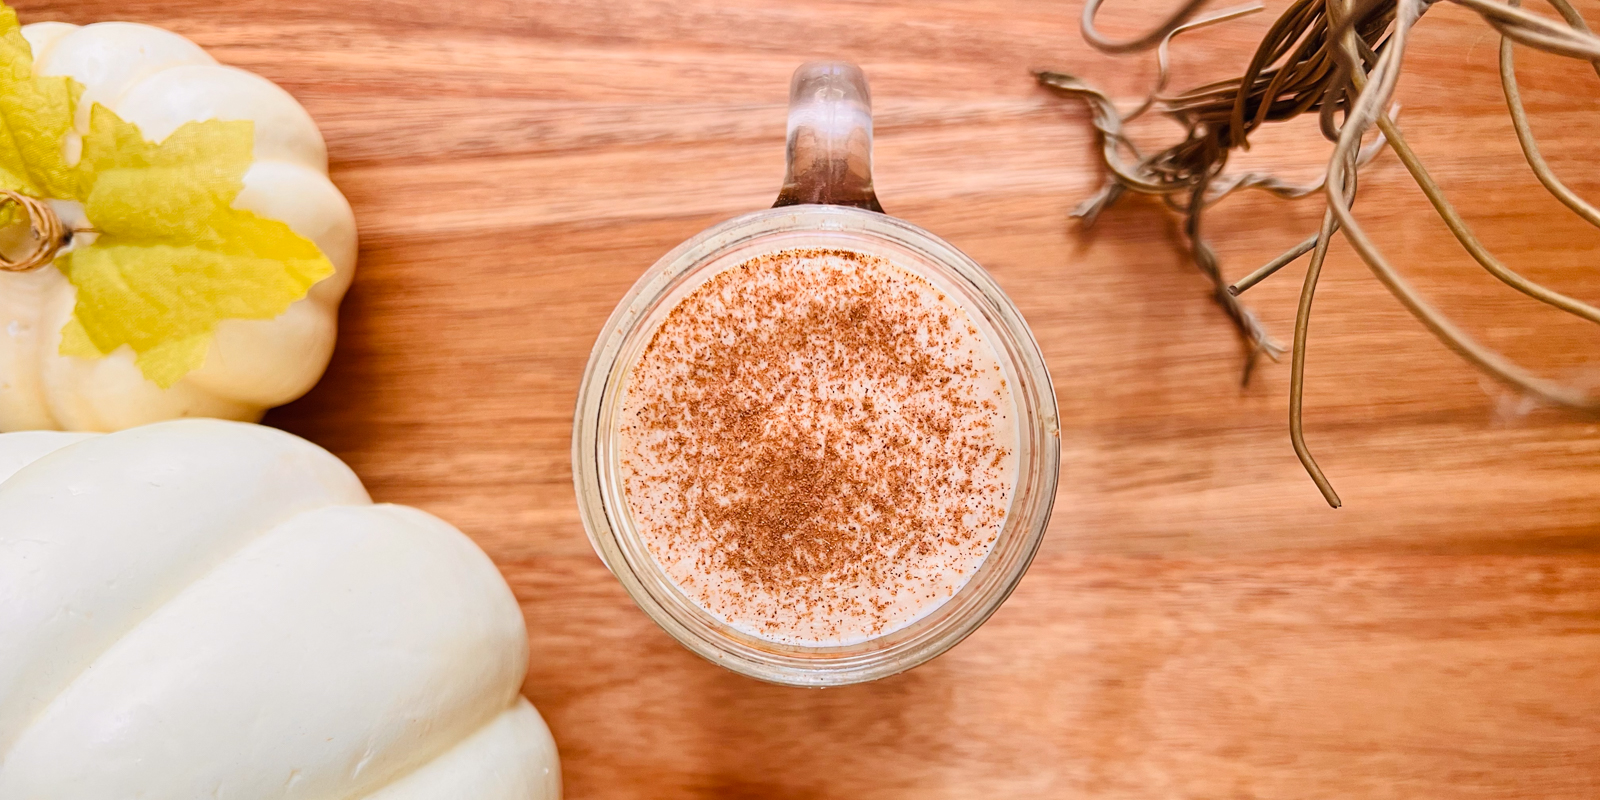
point(158, 81)
point(202, 608)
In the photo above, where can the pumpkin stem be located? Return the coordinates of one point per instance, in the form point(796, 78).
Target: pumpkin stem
point(49, 235)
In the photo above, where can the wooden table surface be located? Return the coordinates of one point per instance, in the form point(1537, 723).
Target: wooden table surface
point(1198, 623)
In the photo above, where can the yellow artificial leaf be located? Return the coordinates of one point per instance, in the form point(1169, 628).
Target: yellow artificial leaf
point(36, 113)
point(75, 341)
point(167, 362)
point(171, 257)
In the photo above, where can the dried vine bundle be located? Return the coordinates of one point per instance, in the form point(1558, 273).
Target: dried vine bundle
point(1342, 60)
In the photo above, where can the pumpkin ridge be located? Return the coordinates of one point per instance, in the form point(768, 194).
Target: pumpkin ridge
point(30, 308)
point(286, 467)
point(155, 608)
point(360, 532)
point(36, 445)
point(412, 769)
point(287, 492)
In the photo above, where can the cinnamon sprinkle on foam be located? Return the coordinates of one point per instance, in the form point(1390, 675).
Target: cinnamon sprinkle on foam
point(818, 446)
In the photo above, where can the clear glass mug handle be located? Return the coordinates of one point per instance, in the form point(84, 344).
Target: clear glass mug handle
point(830, 138)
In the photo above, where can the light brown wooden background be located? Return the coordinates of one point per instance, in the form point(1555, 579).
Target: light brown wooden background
point(1198, 624)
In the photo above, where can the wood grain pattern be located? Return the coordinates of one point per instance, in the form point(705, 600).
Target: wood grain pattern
point(1199, 624)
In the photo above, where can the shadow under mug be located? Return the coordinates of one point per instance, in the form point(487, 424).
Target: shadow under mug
point(827, 201)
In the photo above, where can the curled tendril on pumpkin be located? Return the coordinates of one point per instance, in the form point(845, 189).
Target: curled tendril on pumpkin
point(1341, 59)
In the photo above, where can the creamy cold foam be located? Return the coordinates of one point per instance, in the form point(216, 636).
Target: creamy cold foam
point(818, 446)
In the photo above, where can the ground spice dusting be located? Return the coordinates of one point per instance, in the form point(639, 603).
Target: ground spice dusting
point(818, 446)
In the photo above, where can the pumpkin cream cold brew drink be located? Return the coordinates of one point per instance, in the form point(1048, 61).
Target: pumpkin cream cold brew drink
point(818, 446)
point(815, 443)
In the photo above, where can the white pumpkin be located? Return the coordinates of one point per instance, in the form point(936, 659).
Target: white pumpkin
point(213, 609)
point(158, 81)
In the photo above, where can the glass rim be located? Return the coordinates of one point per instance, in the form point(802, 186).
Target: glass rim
point(603, 505)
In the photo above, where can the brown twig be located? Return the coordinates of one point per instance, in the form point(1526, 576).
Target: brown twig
point(1519, 121)
point(1336, 58)
point(48, 233)
point(1376, 89)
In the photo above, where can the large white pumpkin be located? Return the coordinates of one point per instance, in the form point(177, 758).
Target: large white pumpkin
point(206, 609)
point(158, 81)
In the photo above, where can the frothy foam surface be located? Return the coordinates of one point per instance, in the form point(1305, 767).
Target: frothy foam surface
point(818, 446)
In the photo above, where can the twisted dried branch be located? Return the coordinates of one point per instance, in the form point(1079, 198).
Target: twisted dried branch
point(1340, 59)
point(1375, 90)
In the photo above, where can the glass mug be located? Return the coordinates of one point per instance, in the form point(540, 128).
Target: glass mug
point(827, 201)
